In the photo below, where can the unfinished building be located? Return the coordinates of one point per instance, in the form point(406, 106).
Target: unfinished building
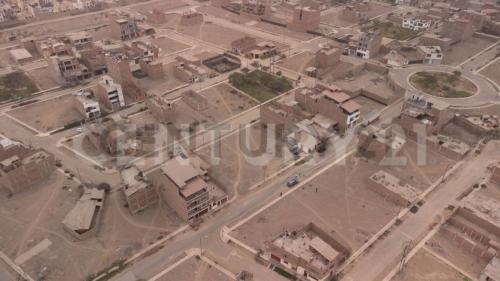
point(305, 19)
point(283, 116)
point(310, 253)
point(124, 28)
point(22, 167)
point(162, 108)
point(331, 102)
point(378, 143)
point(191, 18)
point(84, 219)
point(67, 70)
point(118, 137)
point(243, 45)
point(392, 189)
point(109, 94)
point(328, 56)
point(183, 186)
point(424, 114)
point(260, 8)
point(458, 30)
point(138, 191)
point(476, 225)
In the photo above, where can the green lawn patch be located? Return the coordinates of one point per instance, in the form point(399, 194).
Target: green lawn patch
point(260, 85)
point(15, 85)
point(442, 84)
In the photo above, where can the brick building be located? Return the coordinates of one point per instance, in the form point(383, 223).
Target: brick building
point(22, 167)
point(331, 102)
point(124, 29)
point(138, 190)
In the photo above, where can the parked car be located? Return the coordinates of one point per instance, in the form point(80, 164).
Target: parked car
point(293, 181)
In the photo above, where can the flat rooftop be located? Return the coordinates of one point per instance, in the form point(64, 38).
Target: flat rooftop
point(314, 250)
point(20, 54)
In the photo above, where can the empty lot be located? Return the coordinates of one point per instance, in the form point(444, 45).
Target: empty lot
point(339, 200)
point(35, 215)
point(49, 115)
point(242, 164)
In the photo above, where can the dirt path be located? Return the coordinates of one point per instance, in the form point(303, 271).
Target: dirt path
point(34, 223)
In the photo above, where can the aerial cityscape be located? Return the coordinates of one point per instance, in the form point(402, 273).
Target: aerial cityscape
point(249, 140)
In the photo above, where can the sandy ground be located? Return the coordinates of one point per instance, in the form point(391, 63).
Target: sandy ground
point(36, 214)
point(300, 62)
point(492, 72)
point(221, 13)
point(195, 269)
point(334, 17)
point(236, 169)
point(42, 78)
point(368, 105)
point(452, 250)
point(339, 200)
point(370, 81)
point(464, 50)
point(224, 102)
point(216, 34)
point(424, 267)
point(49, 115)
point(159, 86)
point(169, 45)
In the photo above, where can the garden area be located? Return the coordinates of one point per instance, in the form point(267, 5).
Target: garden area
point(442, 84)
point(391, 30)
point(16, 85)
point(260, 85)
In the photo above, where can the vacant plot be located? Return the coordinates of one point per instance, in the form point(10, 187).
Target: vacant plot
point(442, 84)
point(367, 10)
point(244, 159)
point(61, 26)
point(169, 45)
point(299, 62)
point(16, 85)
point(492, 71)
point(461, 248)
point(215, 34)
point(449, 247)
point(368, 105)
point(465, 49)
point(36, 215)
point(225, 14)
point(48, 115)
point(260, 85)
point(160, 86)
point(340, 200)
point(42, 78)
point(372, 84)
point(224, 102)
point(283, 31)
point(195, 269)
point(424, 266)
point(391, 30)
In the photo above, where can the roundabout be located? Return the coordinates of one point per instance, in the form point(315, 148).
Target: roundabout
point(457, 87)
